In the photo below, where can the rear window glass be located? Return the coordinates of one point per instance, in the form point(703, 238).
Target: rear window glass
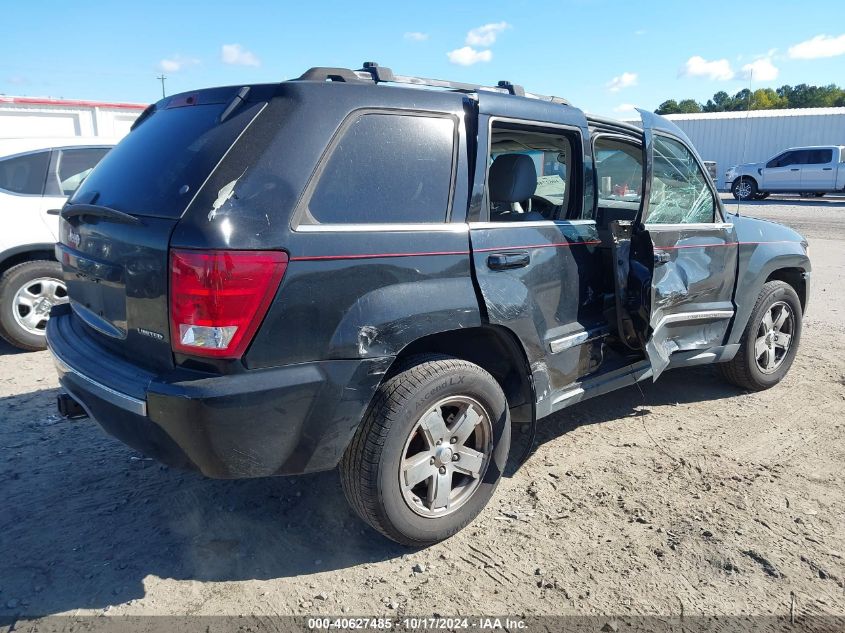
point(158, 167)
point(387, 168)
point(25, 174)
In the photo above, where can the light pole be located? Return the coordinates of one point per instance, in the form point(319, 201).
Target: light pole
point(161, 78)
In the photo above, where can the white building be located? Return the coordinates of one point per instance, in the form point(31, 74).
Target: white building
point(41, 117)
point(732, 138)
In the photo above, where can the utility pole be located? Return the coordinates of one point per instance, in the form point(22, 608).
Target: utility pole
point(161, 78)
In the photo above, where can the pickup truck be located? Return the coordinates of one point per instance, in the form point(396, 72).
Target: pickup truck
point(809, 171)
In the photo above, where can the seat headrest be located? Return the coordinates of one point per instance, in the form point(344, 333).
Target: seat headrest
point(512, 178)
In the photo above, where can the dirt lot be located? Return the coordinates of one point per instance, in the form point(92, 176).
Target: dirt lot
point(692, 498)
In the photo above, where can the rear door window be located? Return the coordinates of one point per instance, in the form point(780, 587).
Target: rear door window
point(819, 156)
point(25, 174)
point(386, 168)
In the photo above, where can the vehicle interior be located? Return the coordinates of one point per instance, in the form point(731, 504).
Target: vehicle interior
point(530, 179)
point(529, 175)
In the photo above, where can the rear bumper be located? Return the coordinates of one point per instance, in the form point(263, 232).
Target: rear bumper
point(280, 421)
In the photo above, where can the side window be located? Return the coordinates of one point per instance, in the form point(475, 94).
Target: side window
point(387, 168)
point(25, 174)
point(680, 193)
point(777, 161)
point(530, 174)
point(819, 156)
point(73, 167)
point(798, 157)
point(619, 174)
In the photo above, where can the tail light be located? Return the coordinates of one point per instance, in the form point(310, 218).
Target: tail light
point(219, 298)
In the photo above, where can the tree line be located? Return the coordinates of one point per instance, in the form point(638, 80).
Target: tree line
point(800, 96)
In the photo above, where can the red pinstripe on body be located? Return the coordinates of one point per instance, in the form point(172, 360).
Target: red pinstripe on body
point(309, 258)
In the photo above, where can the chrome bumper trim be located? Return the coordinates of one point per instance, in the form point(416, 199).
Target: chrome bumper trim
point(118, 399)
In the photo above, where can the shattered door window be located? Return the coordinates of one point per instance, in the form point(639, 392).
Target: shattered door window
point(680, 193)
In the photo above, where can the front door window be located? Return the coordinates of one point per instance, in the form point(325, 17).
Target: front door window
point(680, 193)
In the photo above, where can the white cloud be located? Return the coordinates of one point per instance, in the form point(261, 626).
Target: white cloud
point(486, 35)
point(625, 107)
point(640, 32)
point(760, 70)
point(625, 80)
point(467, 56)
point(238, 55)
point(818, 46)
point(416, 36)
point(176, 63)
point(697, 66)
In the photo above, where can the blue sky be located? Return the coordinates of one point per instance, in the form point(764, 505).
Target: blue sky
point(603, 55)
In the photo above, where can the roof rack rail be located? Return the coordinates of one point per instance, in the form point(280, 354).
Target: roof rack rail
point(371, 71)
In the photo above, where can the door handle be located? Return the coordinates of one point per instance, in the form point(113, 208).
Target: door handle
point(827, 168)
point(53, 211)
point(795, 169)
point(661, 257)
point(507, 261)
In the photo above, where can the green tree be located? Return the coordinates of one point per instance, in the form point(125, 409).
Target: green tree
point(688, 106)
point(800, 96)
point(717, 103)
point(767, 99)
point(668, 107)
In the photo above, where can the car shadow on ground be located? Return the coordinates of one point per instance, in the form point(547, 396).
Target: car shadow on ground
point(6, 348)
point(86, 520)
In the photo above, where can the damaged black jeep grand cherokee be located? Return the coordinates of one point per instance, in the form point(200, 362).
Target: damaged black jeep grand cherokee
point(350, 270)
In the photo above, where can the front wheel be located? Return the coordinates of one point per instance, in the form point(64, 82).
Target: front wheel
point(744, 188)
point(770, 340)
point(27, 292)
point(430, 451)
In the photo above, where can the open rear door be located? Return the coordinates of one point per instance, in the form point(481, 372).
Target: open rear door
point(681, 237)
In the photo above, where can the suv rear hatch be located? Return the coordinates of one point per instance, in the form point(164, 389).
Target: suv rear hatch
point(115, 230)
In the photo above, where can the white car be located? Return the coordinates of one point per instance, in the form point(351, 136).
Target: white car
point(36, 177)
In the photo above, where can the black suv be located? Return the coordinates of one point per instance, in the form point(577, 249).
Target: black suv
point(382, 272)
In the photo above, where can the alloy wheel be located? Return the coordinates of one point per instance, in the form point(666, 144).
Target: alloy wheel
point(774, 336)
point(743, 190)
point(446, 456)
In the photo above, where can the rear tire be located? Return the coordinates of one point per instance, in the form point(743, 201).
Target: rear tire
point(744, 188)
point(438, 420)
point(762, 361)
point(27, 292)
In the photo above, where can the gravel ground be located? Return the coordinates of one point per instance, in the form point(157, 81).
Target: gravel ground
point(691, 497)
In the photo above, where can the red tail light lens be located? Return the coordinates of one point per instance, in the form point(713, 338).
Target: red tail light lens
point(219, 298)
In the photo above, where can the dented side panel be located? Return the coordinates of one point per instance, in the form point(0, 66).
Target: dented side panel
point(552, 297)
point(329, 307)
point(692, 288)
